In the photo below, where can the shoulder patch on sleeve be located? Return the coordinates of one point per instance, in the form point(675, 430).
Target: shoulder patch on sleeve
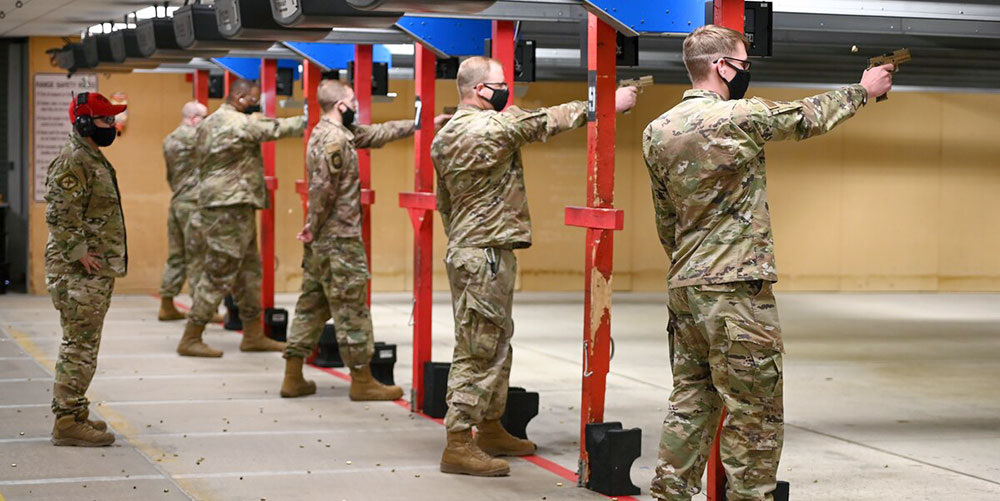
point(68, 182)
point(774, 107)
point(335, 153)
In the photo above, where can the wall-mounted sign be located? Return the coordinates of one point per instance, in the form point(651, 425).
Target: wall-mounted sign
point(51, 126)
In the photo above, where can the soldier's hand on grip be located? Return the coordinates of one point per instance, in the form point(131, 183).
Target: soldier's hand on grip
point(441, 119)
point(878, 80)
point(306, 235)
point(90, 262)
point(625, 98)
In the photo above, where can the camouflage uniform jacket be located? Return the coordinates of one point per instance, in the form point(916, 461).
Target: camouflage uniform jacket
point(706, 165)
point(480, 175)
point(228, 153)
point(182, 172)
point(334, 179)
point(84, 212)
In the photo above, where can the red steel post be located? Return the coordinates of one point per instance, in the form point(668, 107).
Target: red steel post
point(421, 204)
point(200, 84)
point(311, 74)
point(363, 93)
point(602, 72)
point(728, 13)
point(503, 51)
point(268, 97)
point(227, 82)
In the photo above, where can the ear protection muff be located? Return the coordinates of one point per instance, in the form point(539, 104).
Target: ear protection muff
point(84, 124)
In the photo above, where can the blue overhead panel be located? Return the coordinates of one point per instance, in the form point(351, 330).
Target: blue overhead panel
point(663, 17)
point(449, 37)
point(331, 56)
point(248, 68)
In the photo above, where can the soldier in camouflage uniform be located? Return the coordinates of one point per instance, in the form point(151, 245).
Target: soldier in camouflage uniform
point(706, 164)
point(335, 269)
point(231, 190)
point(85, 252)
point(183, 176)
point(481, 197)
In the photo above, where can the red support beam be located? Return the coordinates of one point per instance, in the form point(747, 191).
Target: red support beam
point(200, 84)
point(311, 75)
point(269, 105)
point(503, 51)
point(728, 13)
point(601, 220)
point(363, 93)
point(420, 204)
point(227, 82)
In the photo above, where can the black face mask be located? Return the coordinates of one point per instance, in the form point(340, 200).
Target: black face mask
point(739, 84)
point(499, 99)
point(104, 136)
point(252, 109)
point(347, 117)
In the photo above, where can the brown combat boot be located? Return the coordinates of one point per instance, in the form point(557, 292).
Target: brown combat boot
point(462, 456)
point(295, 385)
point(75, 431)
point(191, 344)
point(97, 424)
point(255, 340)
point(168, 311)
point(364, 386)
point(494, 440)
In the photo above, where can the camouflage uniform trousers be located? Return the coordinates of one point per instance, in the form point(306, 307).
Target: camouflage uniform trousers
point(726, 350)
point(231, 262)
point(82, 301)
point(334, 285)
point(482, 293)
point(178, 264)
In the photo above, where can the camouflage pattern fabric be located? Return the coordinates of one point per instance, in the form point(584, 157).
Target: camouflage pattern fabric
point(706, 163)
point(84, 212)
point(178, 261)
point(334, 178)
point(480, 174)
point(231, 262)
point(480, 366)
point(727, 350)
point(82, 301)
point(183, 173)
point(228, 155)
point(183, 176)
point(195, 249)
point(334, 285)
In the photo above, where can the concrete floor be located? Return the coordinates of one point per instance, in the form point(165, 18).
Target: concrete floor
point(888, 396)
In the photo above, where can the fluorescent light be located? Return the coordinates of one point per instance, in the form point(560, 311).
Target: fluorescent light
point(400, 49)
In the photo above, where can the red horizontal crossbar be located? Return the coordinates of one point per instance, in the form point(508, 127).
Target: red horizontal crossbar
point(367, 197)
point(418, 200)
point(271, 183)
point(593, 217)
point(301, 187)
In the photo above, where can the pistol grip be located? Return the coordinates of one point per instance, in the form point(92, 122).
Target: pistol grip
point(881, 98)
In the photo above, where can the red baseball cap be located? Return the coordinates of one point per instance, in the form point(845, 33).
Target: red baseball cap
point(93, 104)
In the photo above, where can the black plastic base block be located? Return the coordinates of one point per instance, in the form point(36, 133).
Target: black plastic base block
point(522, 406)
point(611, 451)
point(276, 320)
point(383, 360)
point(329, 351)
point(232, 320)
point(436, 388)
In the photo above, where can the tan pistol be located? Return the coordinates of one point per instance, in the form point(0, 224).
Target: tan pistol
point(638, 83)
point(895, 58)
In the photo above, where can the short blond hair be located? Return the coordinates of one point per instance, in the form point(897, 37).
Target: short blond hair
point(472, 72)
point(707, 44)
point(330, 92)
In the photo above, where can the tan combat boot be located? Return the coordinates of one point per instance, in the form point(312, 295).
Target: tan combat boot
point(191, 344)
point(255, 340)
point(462, 456)
point(75, 431)
point(295, 385)
point(364, 386)
point(168, 311)
point(97, 424)
point(494, 440)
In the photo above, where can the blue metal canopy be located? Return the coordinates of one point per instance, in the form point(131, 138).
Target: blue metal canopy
point(248, 68)
point(663, 17)
point(449, 37)
point(331, 56)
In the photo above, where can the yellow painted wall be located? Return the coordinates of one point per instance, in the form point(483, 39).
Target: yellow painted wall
point(899, 198)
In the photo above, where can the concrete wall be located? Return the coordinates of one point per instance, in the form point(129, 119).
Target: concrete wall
point(899, 198)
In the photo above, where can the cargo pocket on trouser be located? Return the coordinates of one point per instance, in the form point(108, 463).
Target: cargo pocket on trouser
point(754, 366)
point(483, 324)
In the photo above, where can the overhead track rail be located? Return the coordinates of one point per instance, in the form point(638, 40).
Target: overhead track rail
point(195, 27)
point(252, 20)
point(157, 40)
point(327, 14)
point(438, 6)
